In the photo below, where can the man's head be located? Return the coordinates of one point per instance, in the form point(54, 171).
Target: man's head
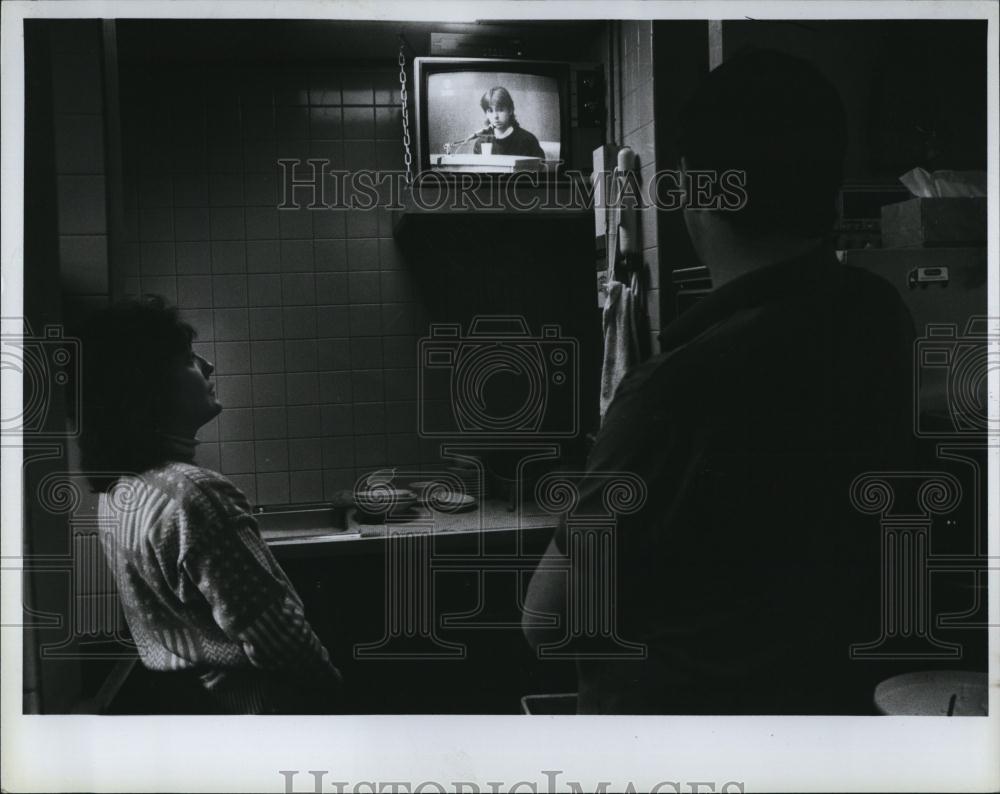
point(776, 118)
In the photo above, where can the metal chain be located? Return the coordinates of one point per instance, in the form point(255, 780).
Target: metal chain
point(403, 102)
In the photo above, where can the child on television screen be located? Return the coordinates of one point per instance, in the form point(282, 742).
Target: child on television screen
point(509, 137)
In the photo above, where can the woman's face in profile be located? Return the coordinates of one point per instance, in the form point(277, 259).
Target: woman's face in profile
point(190, 399)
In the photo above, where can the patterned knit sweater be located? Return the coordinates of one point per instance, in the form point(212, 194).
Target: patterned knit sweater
point(201, 591)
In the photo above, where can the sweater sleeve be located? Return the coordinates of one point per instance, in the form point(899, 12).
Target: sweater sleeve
point(251, 599)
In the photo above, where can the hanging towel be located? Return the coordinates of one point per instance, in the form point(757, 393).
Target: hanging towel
point(623, 340)
point(621, 336)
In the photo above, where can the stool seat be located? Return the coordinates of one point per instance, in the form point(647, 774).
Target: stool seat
point(936, 693)
point(563, 703)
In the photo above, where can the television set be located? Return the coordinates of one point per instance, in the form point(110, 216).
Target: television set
point(504, 116)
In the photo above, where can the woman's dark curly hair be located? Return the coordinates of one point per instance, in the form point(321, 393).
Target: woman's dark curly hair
point(128, 350)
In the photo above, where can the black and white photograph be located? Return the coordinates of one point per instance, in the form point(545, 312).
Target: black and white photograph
point(498, 397)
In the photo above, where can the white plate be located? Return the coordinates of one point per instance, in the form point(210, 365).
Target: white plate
point(452, 503)
point(436, 494)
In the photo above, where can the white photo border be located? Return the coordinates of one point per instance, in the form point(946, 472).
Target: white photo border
point(87, 753)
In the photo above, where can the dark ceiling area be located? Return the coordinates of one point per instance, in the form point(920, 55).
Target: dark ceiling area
point(312, 41)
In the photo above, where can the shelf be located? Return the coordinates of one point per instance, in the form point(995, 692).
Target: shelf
point(440, 206)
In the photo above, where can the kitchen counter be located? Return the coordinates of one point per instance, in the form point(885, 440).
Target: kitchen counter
point(450, 529)
point(419, 612)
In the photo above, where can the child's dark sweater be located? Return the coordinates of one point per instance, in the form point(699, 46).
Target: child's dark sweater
point(520, 141)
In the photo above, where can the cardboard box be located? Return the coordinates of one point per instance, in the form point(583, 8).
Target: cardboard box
point(928, 222)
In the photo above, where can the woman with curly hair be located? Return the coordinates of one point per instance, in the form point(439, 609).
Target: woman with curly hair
point(202, 594)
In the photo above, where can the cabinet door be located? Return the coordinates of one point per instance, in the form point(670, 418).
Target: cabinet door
point(948, 304)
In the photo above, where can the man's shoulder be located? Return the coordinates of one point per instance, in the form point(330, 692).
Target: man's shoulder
point(874, 288)
point(859, 303)
point(868, 310)
point(861, 310)
point(662, 380)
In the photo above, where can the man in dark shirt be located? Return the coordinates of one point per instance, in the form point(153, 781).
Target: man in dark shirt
point(745, 574)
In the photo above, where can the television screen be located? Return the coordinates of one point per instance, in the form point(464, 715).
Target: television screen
point(493, 121)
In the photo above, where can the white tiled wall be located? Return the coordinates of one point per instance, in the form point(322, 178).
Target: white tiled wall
point(308, 314)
